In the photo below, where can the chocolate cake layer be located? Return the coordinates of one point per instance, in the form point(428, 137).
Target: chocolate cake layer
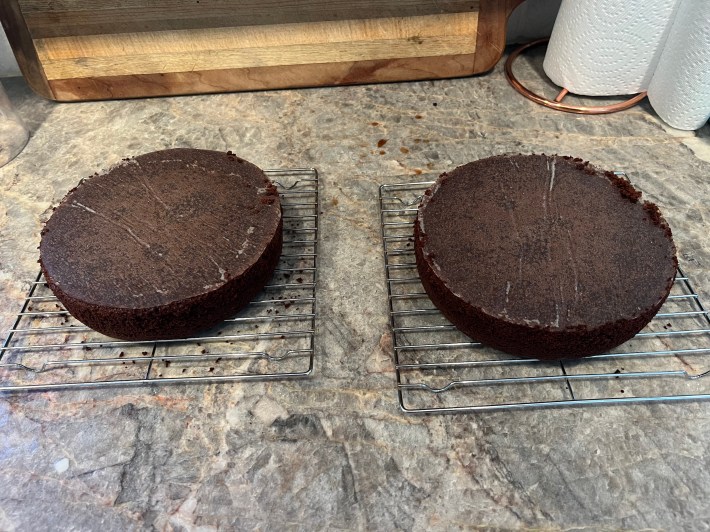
point(163, 245)
point(543, 256)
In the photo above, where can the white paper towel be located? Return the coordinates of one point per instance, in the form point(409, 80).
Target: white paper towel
point(680, 88)
point(609, 48)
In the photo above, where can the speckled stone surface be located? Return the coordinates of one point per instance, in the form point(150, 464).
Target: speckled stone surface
point(334, 451)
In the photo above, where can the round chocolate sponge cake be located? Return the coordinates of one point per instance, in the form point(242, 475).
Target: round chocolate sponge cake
point(163, 244)
point(543, 256)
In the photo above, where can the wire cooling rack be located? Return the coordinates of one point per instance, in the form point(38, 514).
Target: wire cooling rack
point(272, 338)
point(440, 370)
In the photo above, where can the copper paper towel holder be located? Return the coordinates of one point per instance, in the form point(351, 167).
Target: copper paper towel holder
point(557, 102)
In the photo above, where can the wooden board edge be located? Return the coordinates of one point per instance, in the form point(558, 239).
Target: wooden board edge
point(262, 78)
point(23, 47)
point(46, 19)
point(490, 35)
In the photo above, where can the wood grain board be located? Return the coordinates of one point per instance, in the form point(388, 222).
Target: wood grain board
point(61, 18)
point(69, 50)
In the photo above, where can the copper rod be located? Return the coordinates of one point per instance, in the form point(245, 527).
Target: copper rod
point(561, 95)
point(556, 104)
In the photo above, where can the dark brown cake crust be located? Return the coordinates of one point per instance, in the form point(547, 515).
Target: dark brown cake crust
point(163, 245)
point(543, 256)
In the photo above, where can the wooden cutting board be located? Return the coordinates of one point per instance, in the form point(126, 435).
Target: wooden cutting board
point(71, 50)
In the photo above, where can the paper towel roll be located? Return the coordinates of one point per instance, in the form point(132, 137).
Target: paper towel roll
point(607, 47)
point(680, 89)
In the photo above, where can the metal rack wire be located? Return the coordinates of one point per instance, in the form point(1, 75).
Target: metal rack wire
point(272, 338)
point(440, 370)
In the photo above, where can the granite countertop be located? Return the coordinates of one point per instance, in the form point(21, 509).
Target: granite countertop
point(334, 451)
